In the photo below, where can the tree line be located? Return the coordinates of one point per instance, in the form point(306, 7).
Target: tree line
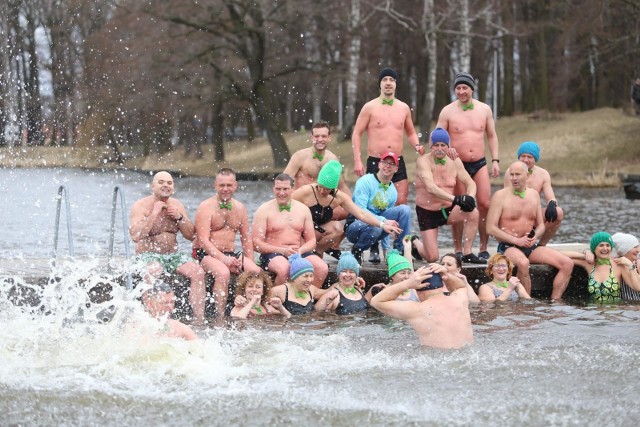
point(154, 75)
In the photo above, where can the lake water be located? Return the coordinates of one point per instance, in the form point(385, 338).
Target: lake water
point(533, 363)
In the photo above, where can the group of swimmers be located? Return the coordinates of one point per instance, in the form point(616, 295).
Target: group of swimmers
point(313, 210)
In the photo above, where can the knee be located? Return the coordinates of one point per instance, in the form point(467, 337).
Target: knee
point(522, 264)
point(321, 270)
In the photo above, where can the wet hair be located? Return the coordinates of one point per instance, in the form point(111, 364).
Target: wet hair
point(249, 277)
point(495, 259)
point(284, 177)
point(321, 124)
point(452, 255)
point(226, 172)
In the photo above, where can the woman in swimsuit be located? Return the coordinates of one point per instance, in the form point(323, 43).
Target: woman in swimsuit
point(454, 266)
point(503, 286)
point(298, 294)
point(322, 198)
point(251, 297)
point(606, 274)
point(345, 296)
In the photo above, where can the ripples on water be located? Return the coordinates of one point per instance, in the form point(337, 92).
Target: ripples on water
point(533, 363)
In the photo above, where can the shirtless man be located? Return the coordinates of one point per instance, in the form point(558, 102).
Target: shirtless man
point(513, 215)
point(540, 181)
point(279, 227)
point(154, 224)
point(436, 205)
point(305, 166)
point(440, 321)
point(468, 121)
point(159, 302)
point(386, 120)
point(218, 220)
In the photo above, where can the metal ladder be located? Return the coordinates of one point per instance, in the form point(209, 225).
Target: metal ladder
point(125, 228)
point(62, 189)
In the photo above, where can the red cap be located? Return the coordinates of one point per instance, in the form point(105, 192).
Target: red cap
point(391, 154)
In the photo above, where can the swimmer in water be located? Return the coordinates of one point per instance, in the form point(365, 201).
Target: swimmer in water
point(159, 302)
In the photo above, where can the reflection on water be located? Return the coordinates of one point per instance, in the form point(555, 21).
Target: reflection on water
point(28, 220)
point(533, 363)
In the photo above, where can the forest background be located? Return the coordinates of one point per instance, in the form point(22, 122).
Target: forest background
point(188, 85)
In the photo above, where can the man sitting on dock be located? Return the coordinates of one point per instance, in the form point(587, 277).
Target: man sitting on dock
point(540, 180)
point(516, 221)
point(154, 224)
point(218, 220)
point(283, 227)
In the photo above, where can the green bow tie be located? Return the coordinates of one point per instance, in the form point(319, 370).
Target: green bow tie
point(224, 205)
point(602, 261)
point(387, 101)
point(531, 172)
point(441, 161)
point(301, 294)
point(257, 308)
point(285, 207)
point(520, 194)
point(318, 156)
point(351, 290)
point(502, 284)
point(384, 186)
point(467, 107)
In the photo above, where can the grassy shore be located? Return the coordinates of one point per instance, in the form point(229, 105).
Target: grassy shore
point(590, 148)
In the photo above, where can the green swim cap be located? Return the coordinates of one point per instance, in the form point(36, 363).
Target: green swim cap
point(599, 237)
point(329, 175)
point(397, 262)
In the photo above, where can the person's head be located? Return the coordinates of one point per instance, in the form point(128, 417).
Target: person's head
point(282, 188)
point(518, 174)
point(529, 154)
point(348, 269)
point(159, 300)
point(300, 272)
point(499, 267)
point(320, 135)
point(463, 85)
point(225, 183)
point(387, 80)
point(329, 177)
point(399, 268)
point(601, 244)
point(439, 143)
point(162, 185)
point(626, 245)
point(388, 164)
point(451, 262)
point(250, 284)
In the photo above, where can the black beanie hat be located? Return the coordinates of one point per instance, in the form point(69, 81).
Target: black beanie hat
point(387, 72)
point(465, 78)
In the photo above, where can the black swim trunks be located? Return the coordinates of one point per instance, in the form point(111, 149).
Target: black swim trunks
point(199, 254)
point(266, 258)
point(428, 220)
point(400, 175)
point(502, 248)
point(472, 168)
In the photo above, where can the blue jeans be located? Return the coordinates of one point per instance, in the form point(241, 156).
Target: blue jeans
point(363, 235)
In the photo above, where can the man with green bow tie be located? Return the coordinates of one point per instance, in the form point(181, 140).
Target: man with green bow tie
point(437, 204)
point(516, 221)
point(218, 220)
point(282, 227)
point(472, 121)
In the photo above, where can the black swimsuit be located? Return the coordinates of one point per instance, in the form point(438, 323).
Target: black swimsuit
point(349, 306)
point(321, 214)
point(294, 307)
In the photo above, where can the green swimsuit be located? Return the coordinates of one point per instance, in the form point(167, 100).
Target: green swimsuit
point(607, 291)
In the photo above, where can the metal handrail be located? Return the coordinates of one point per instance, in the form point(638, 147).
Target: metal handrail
point(57, 224)
point(125, 227)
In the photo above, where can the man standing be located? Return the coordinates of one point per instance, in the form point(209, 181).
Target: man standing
point(440, 321)
point(436, 205)
point(386, 120)
point(154, 224)
point(468, 121)
point(540, 181)
point(218, 220)
point(515, 220)
point(376, 193)
point(279, 227)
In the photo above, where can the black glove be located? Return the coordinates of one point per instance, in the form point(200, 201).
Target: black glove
point(551, 214)
point(466, 203)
